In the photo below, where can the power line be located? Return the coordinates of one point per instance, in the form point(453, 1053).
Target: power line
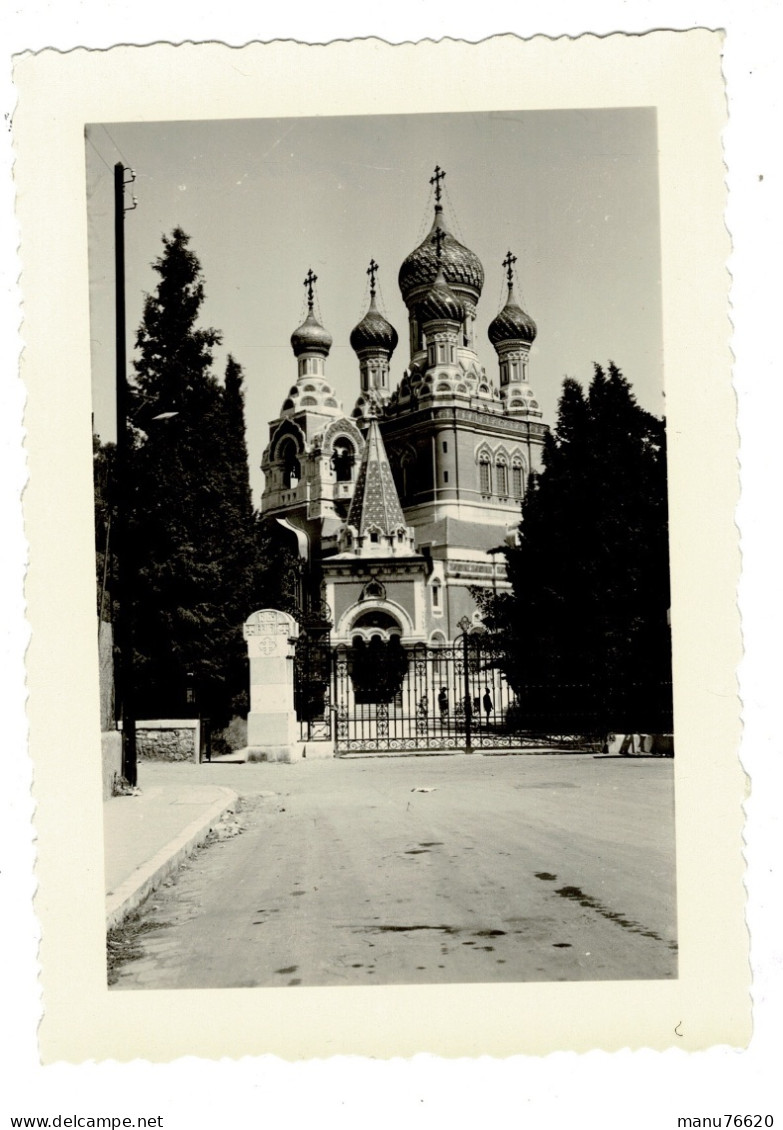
point(106, 163)
point(116, 146)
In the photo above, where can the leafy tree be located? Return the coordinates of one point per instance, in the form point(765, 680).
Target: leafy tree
point(585, 636)
point(277, 575)
point(191, 524)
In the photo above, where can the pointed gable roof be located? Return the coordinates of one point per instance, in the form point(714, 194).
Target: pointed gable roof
point(375, 500)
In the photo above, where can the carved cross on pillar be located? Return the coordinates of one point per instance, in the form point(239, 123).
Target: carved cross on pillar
point(436, 179)
point(508, 263)
point(310, 282)
point(438, 239)
point(372, 270)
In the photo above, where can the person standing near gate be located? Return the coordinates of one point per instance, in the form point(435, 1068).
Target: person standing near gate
point(443, 704)
point(487, 704)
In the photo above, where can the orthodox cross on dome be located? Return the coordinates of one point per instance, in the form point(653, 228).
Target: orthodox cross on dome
point(310, 282)
point(372, 270)
point(436, 179)
point(508, 263)
point(438, 239)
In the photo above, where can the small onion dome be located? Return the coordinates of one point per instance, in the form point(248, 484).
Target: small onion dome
point(374, 332)
point(461, 266)
point(512, 323)
point(311, 337)
point(440, 303)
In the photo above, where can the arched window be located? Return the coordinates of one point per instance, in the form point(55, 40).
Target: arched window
point(485, 475)
point(378, 618)
point(343, 459)
point(440, 665)
point(502, 478)
point(286, 454)
point(373, 590)
point(517, 481)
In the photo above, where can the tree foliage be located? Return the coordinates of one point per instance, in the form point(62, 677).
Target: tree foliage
point(192, 521)
point(585, 626)
point(277, 574)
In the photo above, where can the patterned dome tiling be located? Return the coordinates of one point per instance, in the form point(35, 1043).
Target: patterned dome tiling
point(512, 323)
point(461, 266)
point(374, 332)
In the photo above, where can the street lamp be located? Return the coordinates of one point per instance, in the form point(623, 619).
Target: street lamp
point(465, 625)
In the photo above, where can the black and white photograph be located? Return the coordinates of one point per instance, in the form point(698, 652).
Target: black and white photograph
point(387, 490)
point(383, 549)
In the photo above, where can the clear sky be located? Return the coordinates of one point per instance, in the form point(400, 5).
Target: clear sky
point(574, 194)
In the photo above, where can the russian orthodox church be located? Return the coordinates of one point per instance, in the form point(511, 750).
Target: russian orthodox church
point(401, 508)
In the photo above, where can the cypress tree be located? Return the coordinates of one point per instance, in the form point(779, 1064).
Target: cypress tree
point(191, 514)
point(238, 519)
point(586, 641)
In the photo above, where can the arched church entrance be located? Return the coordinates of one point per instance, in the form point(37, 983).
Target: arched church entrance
point(377, 624)
point(377, 668)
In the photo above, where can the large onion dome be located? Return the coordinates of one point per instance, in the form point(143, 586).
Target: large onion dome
point(440, 303)
point(512, 323)
point(461, 266)
point(311, 337)
point(374, 332)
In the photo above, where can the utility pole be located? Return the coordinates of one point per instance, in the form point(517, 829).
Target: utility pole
point(123, 493)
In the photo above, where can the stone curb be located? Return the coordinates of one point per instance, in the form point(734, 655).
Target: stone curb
point(131, 893)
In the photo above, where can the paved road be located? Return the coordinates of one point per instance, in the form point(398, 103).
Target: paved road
point(555, 868)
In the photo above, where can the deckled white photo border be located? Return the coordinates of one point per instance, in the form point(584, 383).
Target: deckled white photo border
point(677, 72)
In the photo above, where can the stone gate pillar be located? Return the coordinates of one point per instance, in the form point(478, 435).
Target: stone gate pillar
point(271, 724)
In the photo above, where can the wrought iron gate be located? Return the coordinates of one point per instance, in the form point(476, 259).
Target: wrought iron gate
point(312, 688)
point(383, 697)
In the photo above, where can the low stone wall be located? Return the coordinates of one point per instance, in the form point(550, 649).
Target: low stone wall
point(168, 739)
point(111, 757)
